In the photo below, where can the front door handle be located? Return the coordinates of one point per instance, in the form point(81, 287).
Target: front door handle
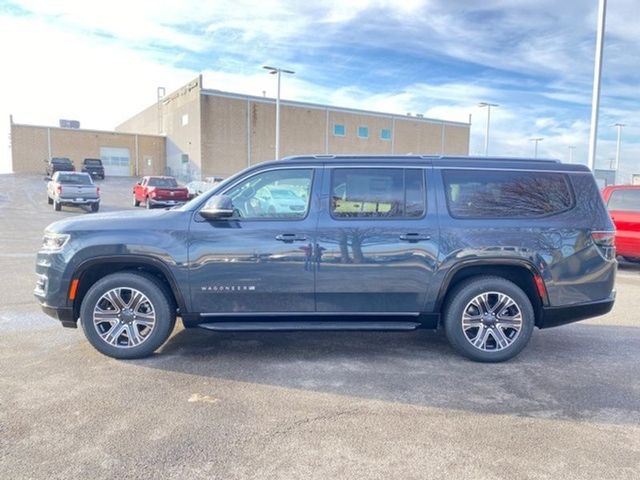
point(414, 237)
point(291, 237)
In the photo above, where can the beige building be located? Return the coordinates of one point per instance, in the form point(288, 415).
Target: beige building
point(206, 132)
point(122, 153)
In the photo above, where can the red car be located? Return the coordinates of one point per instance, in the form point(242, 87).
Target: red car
point(623, 202)
point(159, 192)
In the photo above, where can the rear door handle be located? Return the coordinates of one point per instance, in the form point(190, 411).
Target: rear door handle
point(291, 237)
point(414, 237)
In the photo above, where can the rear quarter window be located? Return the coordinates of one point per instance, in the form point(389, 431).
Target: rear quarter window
point(624, 200)
point(506, 194)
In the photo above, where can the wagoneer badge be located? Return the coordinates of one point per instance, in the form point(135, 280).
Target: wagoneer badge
point(228, 288)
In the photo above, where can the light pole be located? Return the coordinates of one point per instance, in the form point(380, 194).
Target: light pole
point(571, 149)
point(618, 141)
point(536, 140)
point(277, 71)
point(597, 74)
point(486, 132)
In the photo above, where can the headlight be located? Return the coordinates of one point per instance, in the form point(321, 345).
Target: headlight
point(53, 242)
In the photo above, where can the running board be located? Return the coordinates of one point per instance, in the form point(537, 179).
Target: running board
point(240, 326)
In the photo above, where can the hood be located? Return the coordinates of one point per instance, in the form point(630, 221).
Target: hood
point(122, 220)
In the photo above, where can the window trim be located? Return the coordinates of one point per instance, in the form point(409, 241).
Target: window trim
point(358, 132)
point(344, 127)
point(332, 170)
point(313, 169)
point(447, 199)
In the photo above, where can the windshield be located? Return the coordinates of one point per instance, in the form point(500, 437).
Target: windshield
point(163, 182)
point(75, 179)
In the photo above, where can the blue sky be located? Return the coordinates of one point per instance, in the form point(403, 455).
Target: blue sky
point(99, 62)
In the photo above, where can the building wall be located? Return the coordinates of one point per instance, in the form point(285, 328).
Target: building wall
point(238, 132)
point(30, 147)
point(184, 140)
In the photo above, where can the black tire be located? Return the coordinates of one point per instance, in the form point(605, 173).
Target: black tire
point(136, 203)
point(49, 200)
point(57, 206)
point(158, 296)
point(95, 207)
point(147, 204)
point(462, 296)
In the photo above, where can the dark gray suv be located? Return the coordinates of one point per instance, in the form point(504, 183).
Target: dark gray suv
point(486, 248)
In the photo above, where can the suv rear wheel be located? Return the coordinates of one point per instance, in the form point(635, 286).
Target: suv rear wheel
point(488, 319)
point(127, 315)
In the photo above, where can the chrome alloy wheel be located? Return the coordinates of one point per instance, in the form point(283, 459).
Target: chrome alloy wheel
point(124, 317)
point(491, 321)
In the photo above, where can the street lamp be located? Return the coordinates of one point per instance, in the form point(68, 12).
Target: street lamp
point(536, 140)
point(486, 133)
point(277, 71)
point(597, 75)
point(571, 149)
point(618, 141)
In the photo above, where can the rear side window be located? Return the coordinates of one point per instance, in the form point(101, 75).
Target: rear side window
point(377, 193)
point(625, 200)
point(500, 194)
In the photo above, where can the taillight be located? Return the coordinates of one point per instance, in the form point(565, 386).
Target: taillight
point(98, 190)
point(59, 189)
point(606, 243)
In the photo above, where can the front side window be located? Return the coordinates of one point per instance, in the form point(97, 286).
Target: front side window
point(274, 194)
point(506, 194)
point(377, 193)
point(625, 200)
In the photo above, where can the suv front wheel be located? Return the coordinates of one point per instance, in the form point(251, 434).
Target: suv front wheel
point(127, 315)
point(488, 319)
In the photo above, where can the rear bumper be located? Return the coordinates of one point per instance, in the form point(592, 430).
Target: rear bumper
point(556, 316)
point(76, 201)
point(166, 203)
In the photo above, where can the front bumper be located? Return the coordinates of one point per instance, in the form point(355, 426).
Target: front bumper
point(64, 314)
point(556, 316)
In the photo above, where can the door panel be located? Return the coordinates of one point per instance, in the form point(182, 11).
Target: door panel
point(377, 247)
point(259, 260)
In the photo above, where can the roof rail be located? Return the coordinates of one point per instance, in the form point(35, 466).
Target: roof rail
point(324, 156)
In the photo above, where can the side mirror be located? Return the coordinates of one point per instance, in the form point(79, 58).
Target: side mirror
point(218, 206)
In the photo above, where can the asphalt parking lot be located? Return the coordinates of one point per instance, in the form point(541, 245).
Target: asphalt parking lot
point(304, 405)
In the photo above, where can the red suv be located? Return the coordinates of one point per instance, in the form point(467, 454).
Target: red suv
point(623, 202)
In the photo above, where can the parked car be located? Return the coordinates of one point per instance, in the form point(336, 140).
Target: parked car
point(159, 192)
point(94, 167)
point(73, 189)
point(485, 248)
point(58, 164)
point(623, 202)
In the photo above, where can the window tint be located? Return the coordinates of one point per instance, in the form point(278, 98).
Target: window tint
point(385, 134)
point(163, 182)
point(339, 130)
point(493, 194)
point(274, 194)
point(363, 132)
point(377, 193)
point(625, 200)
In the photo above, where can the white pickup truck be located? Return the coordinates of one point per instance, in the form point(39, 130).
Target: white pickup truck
point(73, 188)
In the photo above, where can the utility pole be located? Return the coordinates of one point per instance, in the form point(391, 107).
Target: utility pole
point(277, 71)
point(597, 74)
point(486, 132)
point(571, 149)
point(536, 140)
point(618, 142)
